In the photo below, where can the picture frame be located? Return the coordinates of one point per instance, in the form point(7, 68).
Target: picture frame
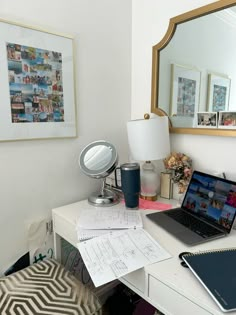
point(37, 81)
point(207, 119)
point(185, 90)
point(227, 120)
point(218, 92)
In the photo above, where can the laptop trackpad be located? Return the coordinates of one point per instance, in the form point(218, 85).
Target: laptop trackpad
point(173, 227)
point(167, 223)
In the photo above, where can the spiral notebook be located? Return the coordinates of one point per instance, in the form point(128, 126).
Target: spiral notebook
point(216, 270)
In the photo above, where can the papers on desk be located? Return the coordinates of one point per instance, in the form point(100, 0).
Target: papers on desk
point(96, 222)
point(112, 256)
point(115, 243)
point(109, 219)
point(86, 234)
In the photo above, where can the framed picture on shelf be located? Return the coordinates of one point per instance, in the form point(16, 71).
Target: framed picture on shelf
point(227, 120)
point(207, 119)
point(37, 83)
point(218, 92)
point(185, 90)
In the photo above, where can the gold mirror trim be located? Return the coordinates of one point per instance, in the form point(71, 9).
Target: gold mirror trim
point(190, 15)
point(204, 131)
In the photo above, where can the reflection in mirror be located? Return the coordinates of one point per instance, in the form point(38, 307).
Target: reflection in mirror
point(98, 157)
point(193, 68)
point(98, 160)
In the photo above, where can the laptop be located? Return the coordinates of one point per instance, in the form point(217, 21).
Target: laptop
point(207, 212)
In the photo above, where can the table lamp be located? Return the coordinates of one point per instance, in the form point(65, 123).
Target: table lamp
point(149, 140)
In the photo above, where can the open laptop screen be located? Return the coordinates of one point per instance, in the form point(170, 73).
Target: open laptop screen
point(211, 198)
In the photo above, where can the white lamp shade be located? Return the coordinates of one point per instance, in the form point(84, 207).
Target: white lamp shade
point(149, 138)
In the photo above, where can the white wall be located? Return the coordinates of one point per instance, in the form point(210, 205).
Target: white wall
point(38, 175)
point(150, 21)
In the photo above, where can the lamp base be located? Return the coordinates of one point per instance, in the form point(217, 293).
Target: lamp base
point(150, 182)
point(150, 198)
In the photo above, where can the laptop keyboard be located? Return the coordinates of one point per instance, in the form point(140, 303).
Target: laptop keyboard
point(193, 224)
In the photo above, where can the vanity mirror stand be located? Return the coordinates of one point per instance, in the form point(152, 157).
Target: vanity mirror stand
point(98, 160)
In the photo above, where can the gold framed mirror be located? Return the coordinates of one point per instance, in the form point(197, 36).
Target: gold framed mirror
point(199, 43)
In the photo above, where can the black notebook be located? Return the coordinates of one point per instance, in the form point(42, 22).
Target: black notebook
point(216, 270)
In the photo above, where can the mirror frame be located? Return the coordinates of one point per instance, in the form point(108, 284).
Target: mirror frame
point(173, 23)
point(105, 171)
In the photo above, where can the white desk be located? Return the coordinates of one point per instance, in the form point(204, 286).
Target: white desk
point(167, 285)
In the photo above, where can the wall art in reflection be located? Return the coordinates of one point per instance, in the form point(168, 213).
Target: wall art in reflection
point(218, 92)
point(185, 87)
point(186, 97)
point(207, 119)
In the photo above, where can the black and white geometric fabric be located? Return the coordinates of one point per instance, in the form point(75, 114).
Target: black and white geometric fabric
point(46, 288)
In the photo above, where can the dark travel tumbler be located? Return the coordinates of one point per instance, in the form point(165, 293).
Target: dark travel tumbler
point(130, 184)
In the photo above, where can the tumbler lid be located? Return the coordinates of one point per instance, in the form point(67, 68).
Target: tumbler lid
point(130, 166)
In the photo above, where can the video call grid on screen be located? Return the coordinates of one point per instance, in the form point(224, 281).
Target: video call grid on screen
point(213, 198)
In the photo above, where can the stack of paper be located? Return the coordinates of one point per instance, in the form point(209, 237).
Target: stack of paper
point(115, 243)
point(92, 223)
point(109, 257)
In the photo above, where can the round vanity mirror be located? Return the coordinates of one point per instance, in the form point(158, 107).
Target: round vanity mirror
point(98, 160)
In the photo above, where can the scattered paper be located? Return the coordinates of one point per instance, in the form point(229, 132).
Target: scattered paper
point(109, 257)
point(109, 219)
point(86, 234)
point(153, 205)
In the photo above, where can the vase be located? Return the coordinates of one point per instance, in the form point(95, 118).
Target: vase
point(179, 197)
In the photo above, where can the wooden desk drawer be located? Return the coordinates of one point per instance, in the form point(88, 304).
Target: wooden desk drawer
point(174, 303)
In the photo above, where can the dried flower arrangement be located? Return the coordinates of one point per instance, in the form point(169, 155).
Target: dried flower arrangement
point(181, 166)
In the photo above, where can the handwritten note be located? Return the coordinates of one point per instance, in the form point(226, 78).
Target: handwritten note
point(109, 257)
point(109, 219)
point(86, 234)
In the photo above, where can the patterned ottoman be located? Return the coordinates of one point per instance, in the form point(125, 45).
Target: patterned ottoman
point(46, 288)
